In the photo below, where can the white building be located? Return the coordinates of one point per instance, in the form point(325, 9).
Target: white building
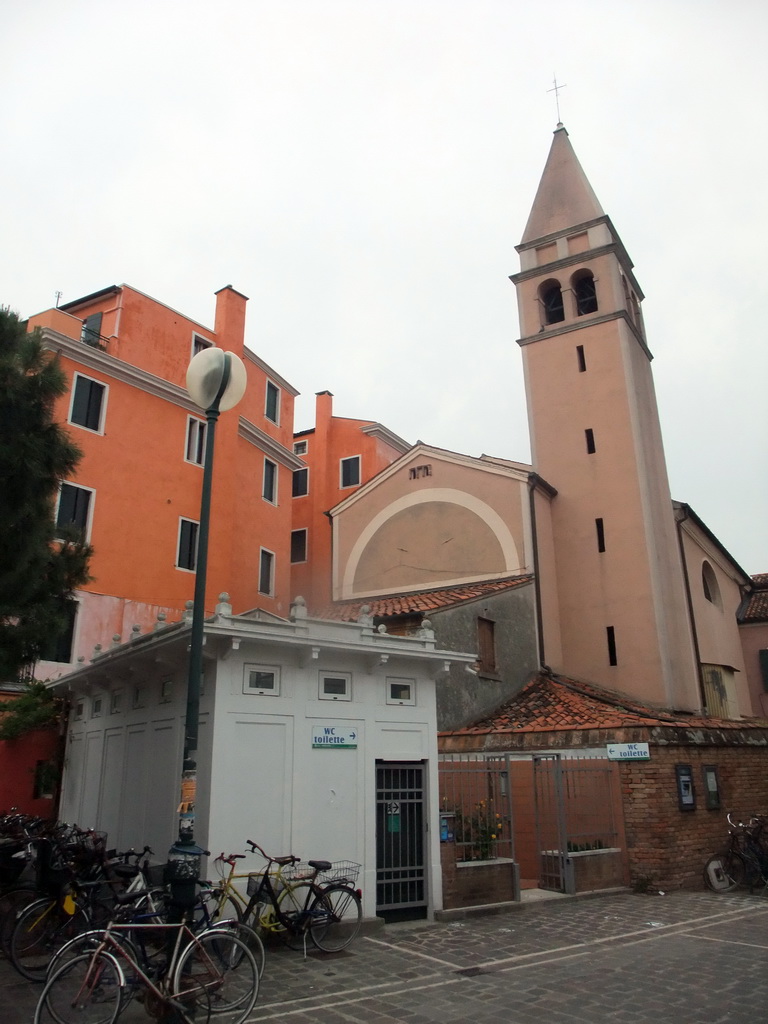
point(317, 738)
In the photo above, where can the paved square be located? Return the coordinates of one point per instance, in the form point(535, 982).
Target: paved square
point(680, 958)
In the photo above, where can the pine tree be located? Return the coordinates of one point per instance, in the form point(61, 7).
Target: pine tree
point(39, 567)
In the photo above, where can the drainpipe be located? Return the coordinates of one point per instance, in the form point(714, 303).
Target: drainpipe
point(532, 480)
point(680, 518)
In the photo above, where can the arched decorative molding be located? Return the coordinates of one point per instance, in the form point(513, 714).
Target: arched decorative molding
point(448, 495)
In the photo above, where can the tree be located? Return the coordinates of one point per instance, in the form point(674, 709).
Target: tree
point(40, 563)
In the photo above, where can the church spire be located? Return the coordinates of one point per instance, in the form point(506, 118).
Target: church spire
point(564, 198)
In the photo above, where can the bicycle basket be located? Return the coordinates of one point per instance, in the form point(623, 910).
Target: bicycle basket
point(297, 872)
point(254, 884)
point(340, 871)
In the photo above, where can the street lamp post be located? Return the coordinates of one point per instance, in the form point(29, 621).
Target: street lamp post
point(216, 382)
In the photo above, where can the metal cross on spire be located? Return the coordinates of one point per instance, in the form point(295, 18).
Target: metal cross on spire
point(556, 90)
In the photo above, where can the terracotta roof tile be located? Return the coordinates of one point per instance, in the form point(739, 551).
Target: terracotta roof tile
point(551, 703)
point(756, 608)
point(421, 601)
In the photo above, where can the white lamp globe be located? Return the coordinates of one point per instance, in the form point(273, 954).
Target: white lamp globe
point(205, 374)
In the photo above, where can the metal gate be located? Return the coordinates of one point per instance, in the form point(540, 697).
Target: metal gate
point(551, 837)
point(401, 882)
point(575, 809)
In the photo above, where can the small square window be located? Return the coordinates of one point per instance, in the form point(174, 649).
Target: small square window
point(300, 447)
point(139, 697)
point(262, 680)
point(298, 546)
point(88, 403)
point(166, 690)
point(401, 691)
point(269, 491)
point(266, 572)
point(272, 404)
point(116, 703)
point(300, 483)
point(195, 450)
point(96, 705)
point(337, 686)
point(186, 555)
point(350, 471)
point(199, 344)
point(79, 710)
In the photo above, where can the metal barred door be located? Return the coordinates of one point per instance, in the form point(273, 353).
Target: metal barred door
point(400, 838)
point(551, 840)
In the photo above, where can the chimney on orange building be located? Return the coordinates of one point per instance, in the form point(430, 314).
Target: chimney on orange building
point(229, 324)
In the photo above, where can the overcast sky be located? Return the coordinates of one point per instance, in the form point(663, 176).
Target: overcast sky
point(362, 170)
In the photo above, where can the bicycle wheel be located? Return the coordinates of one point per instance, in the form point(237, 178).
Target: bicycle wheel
point(335, 917)
point(85, 990)
point(41, 928)
point(294, 902)
point(217, 967)
point(250, 937)
point(12, 902)
point(214, 906)
point(87, 943)
point(725, 871)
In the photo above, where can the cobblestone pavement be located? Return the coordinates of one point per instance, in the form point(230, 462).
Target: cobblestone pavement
point(679, 958)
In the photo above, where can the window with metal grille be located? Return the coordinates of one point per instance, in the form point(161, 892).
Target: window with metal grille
point(298, 546)
point(270, 481)
point(486, 644)
point(186, 557)
point(300, 447)
point(272, 405)
point(87, 403)
point(300, 483)
point(350, 471)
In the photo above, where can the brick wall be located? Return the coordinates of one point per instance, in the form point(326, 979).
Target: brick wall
point(668, 847)
point(475, 883)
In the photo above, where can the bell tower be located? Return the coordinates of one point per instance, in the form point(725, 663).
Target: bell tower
point(615, 575)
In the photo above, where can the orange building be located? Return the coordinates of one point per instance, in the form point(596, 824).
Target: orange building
point(136, 493)
point(339, 455)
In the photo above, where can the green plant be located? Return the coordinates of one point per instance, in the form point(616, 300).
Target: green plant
point(478, 830)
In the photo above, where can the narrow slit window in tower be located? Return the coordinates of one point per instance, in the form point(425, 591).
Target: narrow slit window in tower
point(611, 637)
point(589, 434)
point(600, 534)
point(581, 358)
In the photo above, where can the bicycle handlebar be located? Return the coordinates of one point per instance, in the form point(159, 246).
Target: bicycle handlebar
point(289, 859)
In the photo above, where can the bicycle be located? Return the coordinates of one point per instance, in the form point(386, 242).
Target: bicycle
point(212, 972)
point(295, 900)
point(71, 906)
point(744, 862)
